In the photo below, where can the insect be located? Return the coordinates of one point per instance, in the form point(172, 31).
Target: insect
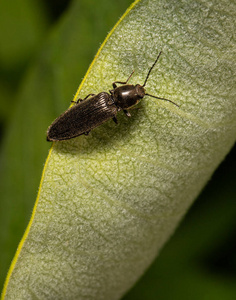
point(95, 109)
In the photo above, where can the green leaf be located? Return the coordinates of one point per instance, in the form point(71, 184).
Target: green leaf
point(199, 260)
point(108, 201)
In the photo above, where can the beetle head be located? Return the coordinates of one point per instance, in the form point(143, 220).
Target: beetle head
point(140, 91)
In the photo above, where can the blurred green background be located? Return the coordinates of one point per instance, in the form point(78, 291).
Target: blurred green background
point(45, 50)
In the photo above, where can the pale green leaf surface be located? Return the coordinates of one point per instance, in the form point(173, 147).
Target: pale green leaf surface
point(198, 262)
point(110, 200)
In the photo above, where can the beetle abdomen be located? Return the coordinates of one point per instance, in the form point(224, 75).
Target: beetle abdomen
point(82, 117)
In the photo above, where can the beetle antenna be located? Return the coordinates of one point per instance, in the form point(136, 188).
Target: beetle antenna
point(162, 99)
point(150, 70)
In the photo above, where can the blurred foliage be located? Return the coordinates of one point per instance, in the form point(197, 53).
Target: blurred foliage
point(199, 262)
point(23, 27)
point(31, 101)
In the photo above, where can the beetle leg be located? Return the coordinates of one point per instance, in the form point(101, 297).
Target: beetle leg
point(122, 82)
point(77, 101)
point(88, 96)
point(135, 108)
point(115, 120)
point(80, 100)
point(87, 132)
point(127, 113)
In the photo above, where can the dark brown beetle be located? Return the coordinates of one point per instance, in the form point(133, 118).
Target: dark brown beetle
point(93, 110)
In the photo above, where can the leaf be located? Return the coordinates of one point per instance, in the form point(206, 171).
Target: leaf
point(199, 258)
point(108, 202)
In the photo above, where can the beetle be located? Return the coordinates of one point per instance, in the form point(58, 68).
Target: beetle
point(95, 109)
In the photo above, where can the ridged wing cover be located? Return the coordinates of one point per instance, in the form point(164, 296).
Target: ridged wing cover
point(82, 117)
